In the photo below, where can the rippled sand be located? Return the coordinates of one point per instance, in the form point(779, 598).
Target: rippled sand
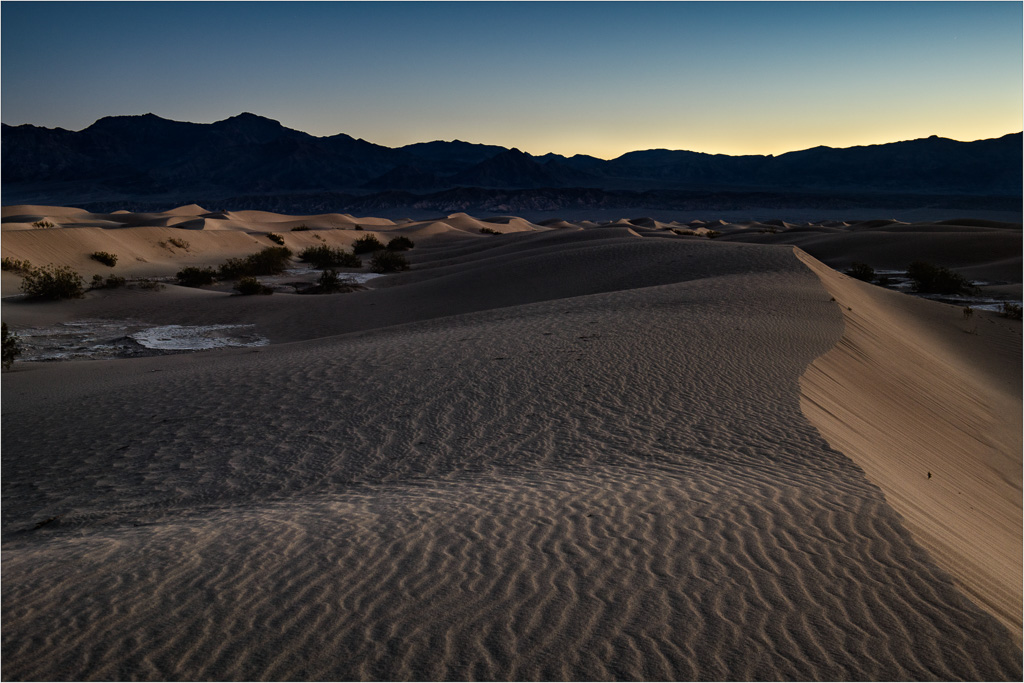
point(557, 455)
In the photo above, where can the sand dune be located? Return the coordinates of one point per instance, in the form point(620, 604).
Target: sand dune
point(579, 451)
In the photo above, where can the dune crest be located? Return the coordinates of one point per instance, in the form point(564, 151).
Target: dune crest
point(928, 402)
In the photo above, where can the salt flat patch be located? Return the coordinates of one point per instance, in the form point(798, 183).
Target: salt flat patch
point(198, 337)
point(93, 339)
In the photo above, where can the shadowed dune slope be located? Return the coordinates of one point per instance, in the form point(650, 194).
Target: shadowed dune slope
point(581, 460)
point(928, 402)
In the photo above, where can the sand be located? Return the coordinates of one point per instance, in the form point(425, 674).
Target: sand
point(578, 451)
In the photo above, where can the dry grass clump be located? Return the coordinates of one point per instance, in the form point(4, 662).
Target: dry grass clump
point(16, 265)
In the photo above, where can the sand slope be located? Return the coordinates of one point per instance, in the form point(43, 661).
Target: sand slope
point(559, 454)
point(928, 402)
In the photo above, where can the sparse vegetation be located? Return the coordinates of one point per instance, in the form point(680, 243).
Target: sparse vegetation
point(931, 279)
point(16, 265)
point(489, 231)
point(400, 243)
point(52, 283)
point(247, 286)
point(11, 347)
point(104, 257)
point(112, 282)
point(300, 228)
point(366, 244)
point(179, 243)
point(269, 261)
point(42, 224)
point(712, 234)
point(275, 238)
point(861, 271)
point(149, 285)
point(330, 257)
point(679, 231)
point(388, 262)
point(193, 276)
point(1010, 310)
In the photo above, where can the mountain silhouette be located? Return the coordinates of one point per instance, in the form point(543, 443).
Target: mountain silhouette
point(149, 158)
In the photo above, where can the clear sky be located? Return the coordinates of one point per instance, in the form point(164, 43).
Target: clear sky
point(599, 78)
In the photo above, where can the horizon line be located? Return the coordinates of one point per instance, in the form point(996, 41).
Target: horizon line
point(507, 148)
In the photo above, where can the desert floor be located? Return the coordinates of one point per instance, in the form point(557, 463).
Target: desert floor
point(633, 449)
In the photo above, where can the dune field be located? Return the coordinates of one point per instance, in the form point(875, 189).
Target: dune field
point(630, 450)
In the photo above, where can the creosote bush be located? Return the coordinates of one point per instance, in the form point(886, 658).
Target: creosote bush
point(861, 271)
point(400, 243)
point(193, 276)
point(249, 285)
point(489, 231)
point(712, 234)
point(269, 261)
point(104, 257)
point(300, 228)
point(52, 283)
point(931, 279)
point(366, 244)
point(274, 237)
point(388, 262)
point(42, 224)
point(11, 347)
point(324, 256)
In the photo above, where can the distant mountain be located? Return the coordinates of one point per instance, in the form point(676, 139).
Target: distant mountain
point(148, 159)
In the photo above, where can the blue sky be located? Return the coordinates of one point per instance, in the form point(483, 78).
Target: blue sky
point(578, 77)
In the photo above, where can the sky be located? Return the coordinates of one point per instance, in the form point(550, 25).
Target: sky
point(597, 78)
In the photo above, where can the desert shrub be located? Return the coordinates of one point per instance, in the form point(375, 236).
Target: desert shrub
point(112, 282)
point(400, 243)
point(388, 262)
point(269, 261)
point(195, 277)
point(489, 231)
point(931, 279)
point(179, 243)
point(712, 234)
point(249, 285)
point(329, 257)
point(16, 265)
point(11, 347)
point(274, 237)
point(149, 285)
point(365, 244)
point(679, 231)
point(53, 283)
point(861, 271)
point(300, 228)
point(1009, 310)
point(42, 224)
point(104, 257)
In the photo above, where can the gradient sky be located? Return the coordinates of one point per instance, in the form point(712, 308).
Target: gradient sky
point(579, 77)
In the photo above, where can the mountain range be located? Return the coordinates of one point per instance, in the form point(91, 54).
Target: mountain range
point(151, 161)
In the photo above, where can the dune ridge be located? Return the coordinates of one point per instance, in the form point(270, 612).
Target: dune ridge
point(935, 420)
point(566, 453)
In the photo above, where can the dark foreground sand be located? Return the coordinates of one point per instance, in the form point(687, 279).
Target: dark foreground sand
point(575, 452)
